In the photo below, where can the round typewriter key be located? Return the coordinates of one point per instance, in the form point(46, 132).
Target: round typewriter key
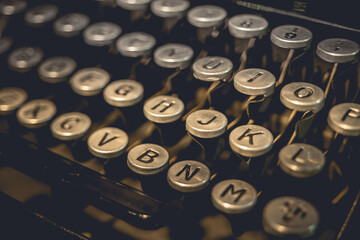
point(133, 5)
point(337, 50)
point(163, 109)
point(173, 55)
point(169, 8)
point(255, 82)
point(56, 69)
point(11, 98)
point(290, 216)
point(71, 24)
point(212, 69)
point(41, 14)
point(36, 113)
point(344, 119)
point(247, 26)
point(302, 96)
point(12, 7)
point(233, 196)
point(5, 44)
point(251, 140)
point(70, 126)
point(123, 93)
point(108, 142)
point(206, 123)
point(291, 37)
point(301, 160)
point(206, 16)
point(101, 34)
point(148, 159)
point(24, 58)
point(89, 81)
point(188, 176)
point(135, 44)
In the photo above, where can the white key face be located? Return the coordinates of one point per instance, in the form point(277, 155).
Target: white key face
point(25, 58)
point(344, 118)
point(163, 109)
point(41, 14)
point(337, 50)
point(255, 82)
point(89, 81)
point(123, 93)
point(247, 26)
point(169, 8)
point(188, 176)
point(56, 69)
point(206, 16)
point(291, 37)
point(135, 44)
point(71, 24)
point(70, 126)
point(173, 55)
point(233, 196)
point(212, 69)
point(101, 34)
point(11, 98)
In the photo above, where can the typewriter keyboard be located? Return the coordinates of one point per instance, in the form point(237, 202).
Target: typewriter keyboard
point(176, 119)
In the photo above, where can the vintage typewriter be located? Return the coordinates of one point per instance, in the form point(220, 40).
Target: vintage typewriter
point(175, 119)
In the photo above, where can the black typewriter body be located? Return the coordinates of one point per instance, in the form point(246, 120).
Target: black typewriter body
point(56, 187)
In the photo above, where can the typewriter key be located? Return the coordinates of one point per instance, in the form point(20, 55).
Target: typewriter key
point(169, 8)
point(188, 176)
point(89, 81)
point(56, 69)
point(12, 7)
point(165, 112)
point(107, 143)
point(207, 127)
point(251, 140)
point(291, 37)
point(211, 69)
point(35, 116)
point(148, 159)
point(206, 16)
point(36, 113)
point(24, 58)
point(124, 95)
point(233, 196)
point(247, 26)
point(71, 24)
point(337, 50)
point(344, 119)
point(255, 82)
point(101, 34)
point(70, 126)
point(290, 216)
point(41, 14)
point(301, 160)
point(11, 98)
point(173, 55)
point(135, 44)
point(302, 96)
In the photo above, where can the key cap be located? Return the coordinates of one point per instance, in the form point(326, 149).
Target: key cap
point(56, 69)
point(169, 9)
point(71, 24)
point(291, 37)
point(24, 58)
point(11, 98)
point(163, 109)
point(301, 160)
point(123, 93)
point(40, 15)
point(188, 176)
point(135, 44)
point(101, 34)
point(290, 216)
point(247, 26)
point(173, 55)
point(12, 7)
point(255, 82)
point(212, 69)
point(233, 196)
point(344, 118)
point(206, 16)
point(337, 50)
point(301, 96)
point(132, 5)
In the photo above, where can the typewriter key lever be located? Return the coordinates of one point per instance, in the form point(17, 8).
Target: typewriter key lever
point(90, 187)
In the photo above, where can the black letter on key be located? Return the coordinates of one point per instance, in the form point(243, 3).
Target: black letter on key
point(103, 141)
point(293, 211)
point(167, 105)
point(240, 192)
point(124, 90)
point(208, 122)
point(186, 168)
point(352, 113)
point(149, 155)
point(250, 135)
